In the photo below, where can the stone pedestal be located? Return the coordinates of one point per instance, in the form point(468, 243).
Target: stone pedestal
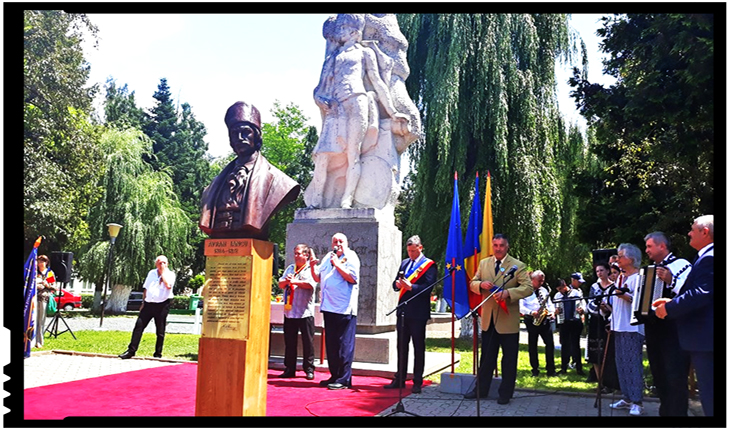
point(372, 234)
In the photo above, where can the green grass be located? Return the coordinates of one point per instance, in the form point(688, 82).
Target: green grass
point(185, 347)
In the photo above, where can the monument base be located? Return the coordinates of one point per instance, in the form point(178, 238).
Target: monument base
point(372, 234)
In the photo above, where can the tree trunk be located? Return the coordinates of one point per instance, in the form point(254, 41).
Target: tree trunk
point(117, 300)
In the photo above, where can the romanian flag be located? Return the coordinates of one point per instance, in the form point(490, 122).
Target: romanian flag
point(455, 292)
point(472, 245)
point(29, 292)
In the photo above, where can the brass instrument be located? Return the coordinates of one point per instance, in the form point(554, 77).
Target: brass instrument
point(542, 312)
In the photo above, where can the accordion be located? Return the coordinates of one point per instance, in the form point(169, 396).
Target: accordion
point(649, 289)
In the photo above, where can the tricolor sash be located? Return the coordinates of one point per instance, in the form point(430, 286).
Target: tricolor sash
point(289, 291)
point(415, 272)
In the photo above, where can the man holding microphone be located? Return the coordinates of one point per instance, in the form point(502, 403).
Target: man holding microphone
point(338, 274)
point(157, 297)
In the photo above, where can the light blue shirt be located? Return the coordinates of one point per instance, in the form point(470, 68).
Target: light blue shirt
point(338, 295)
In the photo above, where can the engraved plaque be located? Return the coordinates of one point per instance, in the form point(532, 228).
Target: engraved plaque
point(227, 297)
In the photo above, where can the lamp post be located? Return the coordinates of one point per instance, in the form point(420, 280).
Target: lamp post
point(113, 233)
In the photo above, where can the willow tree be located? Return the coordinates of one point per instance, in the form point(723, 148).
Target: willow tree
point(485, 85)
point(143, 202)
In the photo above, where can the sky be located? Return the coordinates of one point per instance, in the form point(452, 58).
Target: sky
point(211, 61)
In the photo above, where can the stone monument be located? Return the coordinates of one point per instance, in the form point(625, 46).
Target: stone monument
point(368, 121)
point(237, 206)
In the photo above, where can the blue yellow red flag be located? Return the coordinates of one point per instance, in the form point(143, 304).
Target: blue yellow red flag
point(472, 244)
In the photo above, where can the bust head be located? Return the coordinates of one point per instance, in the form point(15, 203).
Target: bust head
point(244, 129)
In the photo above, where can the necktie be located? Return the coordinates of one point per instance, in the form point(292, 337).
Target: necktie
point(496, 268)
point(410, 267)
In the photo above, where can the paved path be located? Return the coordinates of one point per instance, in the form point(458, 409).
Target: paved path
point(431, 402)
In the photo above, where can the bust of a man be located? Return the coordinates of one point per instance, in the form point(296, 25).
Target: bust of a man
point(245, 195)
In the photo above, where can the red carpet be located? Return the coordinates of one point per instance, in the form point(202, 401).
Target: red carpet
point(138, 393)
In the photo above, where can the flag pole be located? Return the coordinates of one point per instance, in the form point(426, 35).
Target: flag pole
point(453, 316)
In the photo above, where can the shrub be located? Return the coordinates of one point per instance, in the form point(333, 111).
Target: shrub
point(180, 302)
point(87, 300)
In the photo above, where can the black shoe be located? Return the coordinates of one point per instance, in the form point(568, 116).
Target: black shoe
point(336, 386)
point(287, 374)
point(416, 389)
point(473, 395)
point(157, 355)
point(310, 376)
point(394, 384)
point(126, 354)
point(535, 372)
point(502, 401)
point(550, 374)
point(561, 372)
point(326, 382)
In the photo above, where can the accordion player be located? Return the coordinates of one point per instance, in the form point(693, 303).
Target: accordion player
point(651, 287)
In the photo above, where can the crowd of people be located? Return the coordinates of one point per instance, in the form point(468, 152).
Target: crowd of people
point(676, 330)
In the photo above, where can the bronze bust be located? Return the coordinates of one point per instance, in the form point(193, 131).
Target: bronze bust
point(249, 191)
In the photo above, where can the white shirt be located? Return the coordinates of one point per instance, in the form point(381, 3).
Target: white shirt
point(157, 292)
point(621, 313)
point(531, 303)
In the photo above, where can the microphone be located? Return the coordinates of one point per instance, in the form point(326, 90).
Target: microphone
point(511, 272)
point(401, 275)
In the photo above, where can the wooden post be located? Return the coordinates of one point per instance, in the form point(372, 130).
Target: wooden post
point(234, 344)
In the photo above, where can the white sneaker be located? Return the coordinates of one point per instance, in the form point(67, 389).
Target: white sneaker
point(622, 404)
point(636, 410)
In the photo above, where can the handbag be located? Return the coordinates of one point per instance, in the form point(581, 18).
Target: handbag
point(51, 307)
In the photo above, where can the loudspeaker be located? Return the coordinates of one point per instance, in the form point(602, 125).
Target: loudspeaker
point(602, 255)
point(61, 264)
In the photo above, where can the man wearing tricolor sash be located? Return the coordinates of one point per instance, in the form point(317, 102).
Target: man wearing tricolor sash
point(416, 273)
point(298, 286)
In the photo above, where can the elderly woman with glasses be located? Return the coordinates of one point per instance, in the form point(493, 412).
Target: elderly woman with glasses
point(628, 338)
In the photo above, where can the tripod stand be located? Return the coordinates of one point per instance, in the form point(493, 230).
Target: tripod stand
point(52, 327)
point(401, 378)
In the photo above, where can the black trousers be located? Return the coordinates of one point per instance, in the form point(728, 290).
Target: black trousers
point(545, 332)
point(292, 328)
point(339, 342)
point(570, 344)
point(413, 330)
point(669, 366)
point(158, 312)
point(491, 342)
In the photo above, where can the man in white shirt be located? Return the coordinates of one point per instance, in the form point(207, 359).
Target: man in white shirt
point(157, 297)
point(531, 307)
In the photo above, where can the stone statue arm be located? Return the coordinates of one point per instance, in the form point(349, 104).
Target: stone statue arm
point(371, 68)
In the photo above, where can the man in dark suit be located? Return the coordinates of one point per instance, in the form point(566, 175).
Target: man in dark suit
point(500, 316)
point(692, 309)
point(416, 273)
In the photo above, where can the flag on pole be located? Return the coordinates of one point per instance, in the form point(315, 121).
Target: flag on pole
point(29, 293)
point(472, 244)
point(488, 229)
point(487, 224)
point(459, 301)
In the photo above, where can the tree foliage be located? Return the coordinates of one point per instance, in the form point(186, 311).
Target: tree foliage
point(287, 144)
point(654, 129)
point(143, 201)
point(62, 161)
point(485, 86)
point(120, 107)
